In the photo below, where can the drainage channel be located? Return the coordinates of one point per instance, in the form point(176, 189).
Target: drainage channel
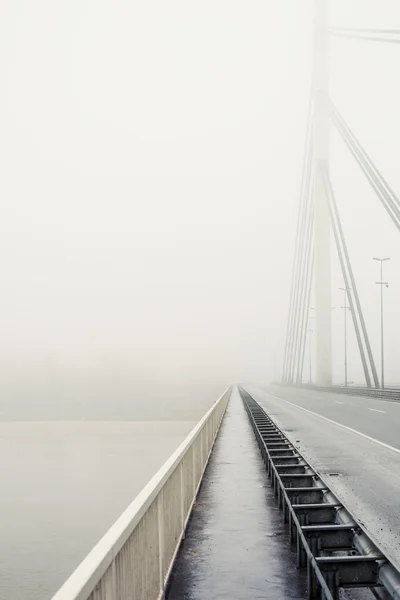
point(331, 545)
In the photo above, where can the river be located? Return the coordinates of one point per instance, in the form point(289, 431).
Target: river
point(63, 483)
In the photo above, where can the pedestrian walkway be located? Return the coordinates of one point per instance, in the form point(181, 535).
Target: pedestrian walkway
point(236, 545)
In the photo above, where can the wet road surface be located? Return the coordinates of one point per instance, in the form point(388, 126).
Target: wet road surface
point(374, 417)
point(236, 545)
point(363, 473)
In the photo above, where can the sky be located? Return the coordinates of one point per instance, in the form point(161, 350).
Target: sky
point(150, 164)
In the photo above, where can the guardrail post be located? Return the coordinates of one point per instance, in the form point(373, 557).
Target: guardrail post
point(182, 499)
point(194, 466)
point(202, 449)
point(160, 519)
point(113, 579)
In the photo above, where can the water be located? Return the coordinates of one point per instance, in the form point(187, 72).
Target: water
point(62, 485)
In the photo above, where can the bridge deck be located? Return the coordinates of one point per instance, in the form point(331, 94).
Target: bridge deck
point(236, 546)
point(357, 437)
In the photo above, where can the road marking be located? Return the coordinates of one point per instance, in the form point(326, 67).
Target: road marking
point(376, 410)
point(364, 435)
point(339, 402)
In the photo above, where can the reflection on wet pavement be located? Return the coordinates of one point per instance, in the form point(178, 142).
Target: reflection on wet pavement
point(236, 545)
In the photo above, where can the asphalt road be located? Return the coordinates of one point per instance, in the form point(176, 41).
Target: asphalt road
point(354, 443)
point(377, 418)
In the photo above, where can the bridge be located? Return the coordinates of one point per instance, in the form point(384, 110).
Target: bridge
point(272, 495)
point(287, 490)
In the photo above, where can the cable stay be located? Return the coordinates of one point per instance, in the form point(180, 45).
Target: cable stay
point(303, 260)
point(303, 270)
point(303, 309)
point(295, 268)
point(296, 302)
point(364, 345)
point(386, 195)
point(299, 376)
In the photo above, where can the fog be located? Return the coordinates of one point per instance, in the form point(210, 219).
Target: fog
point(150, 161)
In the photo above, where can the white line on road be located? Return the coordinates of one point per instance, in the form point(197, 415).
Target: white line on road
point(367, 437)
point(339, 402)
point(376, 410)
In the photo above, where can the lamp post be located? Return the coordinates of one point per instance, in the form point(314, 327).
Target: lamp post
point(346, 308)
point(382, 283)
point(310, 331)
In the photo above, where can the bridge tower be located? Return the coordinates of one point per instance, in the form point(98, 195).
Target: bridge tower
point(322, 227)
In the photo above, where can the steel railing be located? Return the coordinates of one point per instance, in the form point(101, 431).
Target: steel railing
point(135, 557)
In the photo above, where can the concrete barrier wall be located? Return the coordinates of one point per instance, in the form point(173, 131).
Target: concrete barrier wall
point(134, 558)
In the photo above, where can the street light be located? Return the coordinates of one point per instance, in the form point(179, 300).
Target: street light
point(382, 283)
point(346, 308)
point(310, 331)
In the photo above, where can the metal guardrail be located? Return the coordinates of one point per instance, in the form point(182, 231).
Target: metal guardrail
point(385, 394)
point(333, 547)
point(135, 557)
point(391, 394)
